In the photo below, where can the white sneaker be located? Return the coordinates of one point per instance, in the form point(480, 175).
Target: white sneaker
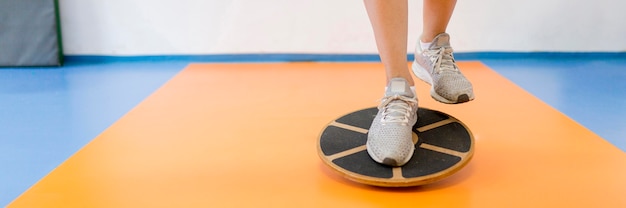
point(436, 66)
point(389, 139)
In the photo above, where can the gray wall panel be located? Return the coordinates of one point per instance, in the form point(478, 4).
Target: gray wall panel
point(28, 33)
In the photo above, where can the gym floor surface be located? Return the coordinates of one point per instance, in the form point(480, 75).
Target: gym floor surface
point(549, 132)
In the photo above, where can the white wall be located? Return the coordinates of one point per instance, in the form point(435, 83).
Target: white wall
point(157, 27)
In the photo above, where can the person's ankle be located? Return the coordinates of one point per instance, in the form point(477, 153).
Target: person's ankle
point(429, 37)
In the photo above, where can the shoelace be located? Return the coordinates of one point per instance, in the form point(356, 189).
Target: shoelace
point(443, 59)
point(397, 112)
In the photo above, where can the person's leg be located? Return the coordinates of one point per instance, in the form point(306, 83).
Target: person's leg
point(434, 62)
point(436, 15)
point(389, 139)
point(389, 19)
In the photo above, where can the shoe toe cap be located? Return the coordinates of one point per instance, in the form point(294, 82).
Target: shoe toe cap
point(390, 153)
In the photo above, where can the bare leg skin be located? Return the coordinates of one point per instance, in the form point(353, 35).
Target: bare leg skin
point(389, 19)
point(437, 14)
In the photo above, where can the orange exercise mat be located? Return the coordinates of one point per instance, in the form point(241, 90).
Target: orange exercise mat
point(245, 135)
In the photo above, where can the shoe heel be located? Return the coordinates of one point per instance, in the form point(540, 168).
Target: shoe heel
point(421, 73)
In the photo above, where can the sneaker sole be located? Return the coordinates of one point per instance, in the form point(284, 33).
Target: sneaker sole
point(422, 74)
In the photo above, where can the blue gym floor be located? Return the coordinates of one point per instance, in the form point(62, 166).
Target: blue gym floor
point(47, 114)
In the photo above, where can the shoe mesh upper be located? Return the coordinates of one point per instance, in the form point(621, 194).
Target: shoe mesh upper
point(390, 138)
point(438, 60)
